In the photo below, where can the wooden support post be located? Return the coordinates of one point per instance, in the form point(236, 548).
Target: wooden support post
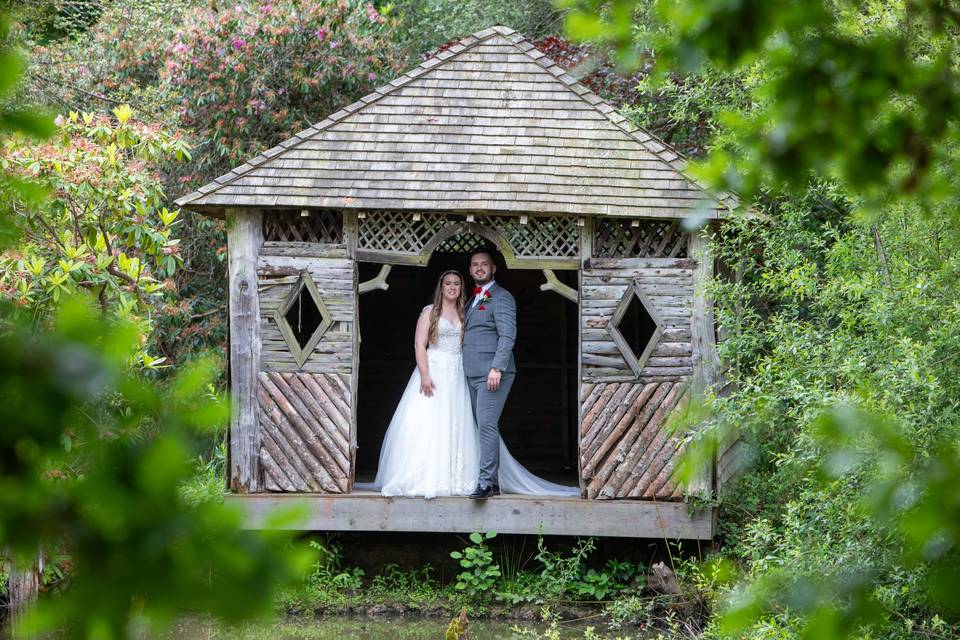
point(244, 238)
point(706, 365)
point(586, 252)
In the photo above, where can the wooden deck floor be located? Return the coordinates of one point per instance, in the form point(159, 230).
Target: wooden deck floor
point(368, 511)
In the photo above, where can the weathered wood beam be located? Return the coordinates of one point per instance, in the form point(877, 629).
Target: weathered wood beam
point(244, 238)
point(503, 514)
point(706, 364)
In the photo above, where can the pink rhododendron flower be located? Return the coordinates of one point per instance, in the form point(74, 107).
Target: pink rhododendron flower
point(322, 33)
point(334, 44)
point(238, 43)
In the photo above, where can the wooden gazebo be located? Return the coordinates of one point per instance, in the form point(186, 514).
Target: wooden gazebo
point(486, 142)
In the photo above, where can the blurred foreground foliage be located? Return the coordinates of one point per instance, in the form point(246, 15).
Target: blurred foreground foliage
point(92, 461)
point(94, 456)
point(839, 120)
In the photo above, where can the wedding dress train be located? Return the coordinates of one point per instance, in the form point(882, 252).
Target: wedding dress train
point(431, 447)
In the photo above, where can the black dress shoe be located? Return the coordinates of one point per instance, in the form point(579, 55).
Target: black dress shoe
point(481, 493)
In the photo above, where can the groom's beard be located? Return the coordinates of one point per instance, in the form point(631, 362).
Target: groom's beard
point(478, 282)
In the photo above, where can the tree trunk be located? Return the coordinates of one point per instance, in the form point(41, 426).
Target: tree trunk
point(23, 587)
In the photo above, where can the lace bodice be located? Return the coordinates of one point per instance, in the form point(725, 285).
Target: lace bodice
point(448, 338)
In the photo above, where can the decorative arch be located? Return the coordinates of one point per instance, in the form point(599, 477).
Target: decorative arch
point(526, 242)
point(458, 228)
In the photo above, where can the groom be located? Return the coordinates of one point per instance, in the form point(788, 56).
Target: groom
point(490, 329)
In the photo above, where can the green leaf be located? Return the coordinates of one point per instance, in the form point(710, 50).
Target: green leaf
point(11, 69)
point(37, 125)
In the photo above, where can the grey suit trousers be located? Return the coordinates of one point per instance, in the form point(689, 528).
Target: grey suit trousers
point(487, 407)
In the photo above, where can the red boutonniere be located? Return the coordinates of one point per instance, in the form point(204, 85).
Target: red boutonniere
point(485, 298)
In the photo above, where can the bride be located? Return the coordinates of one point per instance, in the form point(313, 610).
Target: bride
point(431, 447)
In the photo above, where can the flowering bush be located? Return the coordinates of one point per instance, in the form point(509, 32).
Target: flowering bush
point(246, 77)
point(103, 229)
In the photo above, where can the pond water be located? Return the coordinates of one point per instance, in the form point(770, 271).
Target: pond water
point(339, 627)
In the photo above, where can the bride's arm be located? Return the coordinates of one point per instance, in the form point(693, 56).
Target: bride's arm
point(421, 339)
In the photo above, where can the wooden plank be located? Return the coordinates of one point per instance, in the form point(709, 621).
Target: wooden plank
point(297, 263)
point(244, 237)
point(639, 263)
point(308, 367)
point(503, 514)
point(311, 249)
point(662, 350)
point(611, 292)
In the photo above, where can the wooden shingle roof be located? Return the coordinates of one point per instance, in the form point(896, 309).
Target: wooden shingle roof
point(490, 124)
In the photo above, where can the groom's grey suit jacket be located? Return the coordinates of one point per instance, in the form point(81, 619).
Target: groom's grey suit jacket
point(489, 334)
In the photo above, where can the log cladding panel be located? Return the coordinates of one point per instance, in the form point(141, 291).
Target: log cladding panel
point(625, 451)
point(669, 287)
point(307, 416)
point(335, 279)
point(305, 431)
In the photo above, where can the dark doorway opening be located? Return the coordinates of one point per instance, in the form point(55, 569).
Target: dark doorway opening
point(539, 422)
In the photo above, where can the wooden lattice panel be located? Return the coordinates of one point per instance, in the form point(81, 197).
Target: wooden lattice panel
point(305, 432)
point(541, 236)
point(290, 225)
point(398, 230)
point(614, 238)
point(460, 243)
point(528, 237)
point(625, 450)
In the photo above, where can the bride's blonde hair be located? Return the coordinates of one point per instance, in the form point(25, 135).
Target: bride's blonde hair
point(438, 304)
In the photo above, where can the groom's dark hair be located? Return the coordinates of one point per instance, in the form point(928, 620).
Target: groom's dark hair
point(487, 250)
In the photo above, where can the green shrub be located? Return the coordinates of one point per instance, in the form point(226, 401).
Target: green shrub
point(481, 571)
point(247, 76)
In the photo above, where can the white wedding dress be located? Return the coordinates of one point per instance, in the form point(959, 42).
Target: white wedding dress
point(431, 447)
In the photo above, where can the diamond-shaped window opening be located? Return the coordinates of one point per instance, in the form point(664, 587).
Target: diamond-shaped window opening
point(635, 327)
point(303, 318)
